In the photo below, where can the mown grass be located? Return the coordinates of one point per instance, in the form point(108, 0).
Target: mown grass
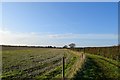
point(71, 67)
point(37, 63)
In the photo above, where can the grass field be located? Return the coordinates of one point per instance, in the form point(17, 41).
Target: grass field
point(38, 63)
point(46, 64)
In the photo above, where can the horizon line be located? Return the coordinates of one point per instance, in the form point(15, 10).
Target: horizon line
point(52, 45)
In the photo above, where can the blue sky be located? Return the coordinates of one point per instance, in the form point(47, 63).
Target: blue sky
point(60, 23)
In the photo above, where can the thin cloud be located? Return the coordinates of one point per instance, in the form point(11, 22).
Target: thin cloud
point(8, 37)
point(83, 36)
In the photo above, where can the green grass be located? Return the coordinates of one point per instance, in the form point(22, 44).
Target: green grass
point(46, 64)
point(37, 63)
point(99, 68)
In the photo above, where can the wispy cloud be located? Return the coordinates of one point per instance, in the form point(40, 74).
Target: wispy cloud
point(32, 38)
point(83, 36)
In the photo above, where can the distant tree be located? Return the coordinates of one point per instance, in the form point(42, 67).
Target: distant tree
point(54, 47)
point(50, 47)
point(72, 45)
point(65, 46)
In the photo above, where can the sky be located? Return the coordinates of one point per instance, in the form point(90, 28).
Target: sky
point(60, 0)
point(59, 23)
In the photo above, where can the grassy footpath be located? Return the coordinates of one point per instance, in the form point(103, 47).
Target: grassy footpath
point(99, 68)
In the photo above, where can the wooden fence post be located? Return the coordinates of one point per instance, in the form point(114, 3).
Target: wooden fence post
point(84, 50)
point(63, 68)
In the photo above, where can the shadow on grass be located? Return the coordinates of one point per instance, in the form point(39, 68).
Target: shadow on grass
point(90, 71)
point(117, 65)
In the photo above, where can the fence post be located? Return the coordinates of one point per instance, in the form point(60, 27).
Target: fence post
point(63, 68)
point(84, 50)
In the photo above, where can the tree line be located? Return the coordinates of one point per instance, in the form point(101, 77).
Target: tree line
point(112, 52)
